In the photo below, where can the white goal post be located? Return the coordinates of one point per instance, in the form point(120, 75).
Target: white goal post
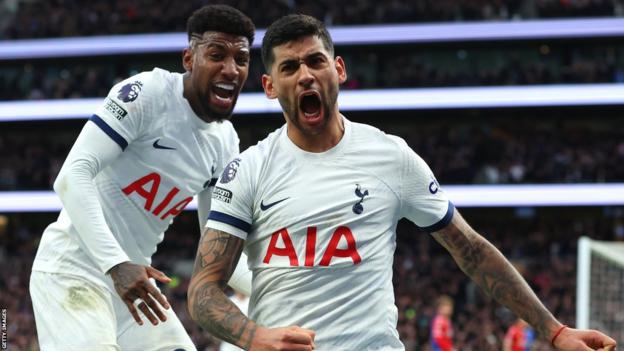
point(600, 287)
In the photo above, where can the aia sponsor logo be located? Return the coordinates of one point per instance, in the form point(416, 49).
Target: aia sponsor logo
point(287, 249)
point(148, 187)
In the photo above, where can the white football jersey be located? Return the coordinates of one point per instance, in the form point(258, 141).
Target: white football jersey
point(320, 231)
point(169, 156)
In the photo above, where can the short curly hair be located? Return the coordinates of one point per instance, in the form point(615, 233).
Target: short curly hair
point(289, 28)
point(220, 18)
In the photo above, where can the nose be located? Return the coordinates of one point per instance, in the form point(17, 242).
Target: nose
point(305, 76)
point(229, 70)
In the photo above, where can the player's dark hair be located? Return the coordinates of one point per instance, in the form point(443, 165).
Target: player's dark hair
point(220, 18)
point(289, 28)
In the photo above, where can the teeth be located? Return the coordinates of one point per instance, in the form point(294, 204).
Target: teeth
point(225, 86)
point(223, 99)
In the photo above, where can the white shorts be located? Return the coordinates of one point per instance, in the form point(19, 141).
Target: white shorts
point(75, 314)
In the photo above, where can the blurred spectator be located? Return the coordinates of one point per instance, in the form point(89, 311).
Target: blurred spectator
point(441, 325)
point(519, 337)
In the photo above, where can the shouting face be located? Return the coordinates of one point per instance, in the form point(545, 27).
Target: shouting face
point(305, 79)
point(217, 65)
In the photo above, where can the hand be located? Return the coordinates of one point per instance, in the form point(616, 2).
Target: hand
point(291, 338)
point(584, 340)
point(132, 283)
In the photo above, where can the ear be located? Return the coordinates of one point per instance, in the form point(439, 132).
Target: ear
point(267, 84)
point(342, 69)
point(187, 59)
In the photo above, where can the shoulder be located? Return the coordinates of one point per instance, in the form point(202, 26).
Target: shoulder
point(141, 91)
point(227, 128)
point(375, 143)
point(228, 138)
point(256, 156)
point(144, 84)
point(262, 150)
point(366, 134)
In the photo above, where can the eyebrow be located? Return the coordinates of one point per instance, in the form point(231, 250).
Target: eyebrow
point(293, 60)
point(288, 62)
point(315, 54)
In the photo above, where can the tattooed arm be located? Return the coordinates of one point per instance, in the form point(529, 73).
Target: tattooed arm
point(217, 256)
point(489, 269)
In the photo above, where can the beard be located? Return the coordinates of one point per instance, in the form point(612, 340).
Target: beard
point(213, 114)
point(292, 111)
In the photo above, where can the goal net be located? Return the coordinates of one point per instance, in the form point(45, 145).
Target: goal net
point(600, 287)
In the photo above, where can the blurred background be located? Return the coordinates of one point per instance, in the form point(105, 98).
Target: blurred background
point(494, 95)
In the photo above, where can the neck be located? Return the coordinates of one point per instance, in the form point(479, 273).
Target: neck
point(321, 142)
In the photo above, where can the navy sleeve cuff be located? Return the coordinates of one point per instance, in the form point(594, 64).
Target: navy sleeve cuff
point(442, 222)
point(231, 220)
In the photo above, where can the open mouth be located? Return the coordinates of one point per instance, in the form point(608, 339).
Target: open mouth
point(224, 92)
point(310, 104)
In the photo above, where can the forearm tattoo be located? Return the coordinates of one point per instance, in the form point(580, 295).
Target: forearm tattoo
point(217, 256)
point(489, 269)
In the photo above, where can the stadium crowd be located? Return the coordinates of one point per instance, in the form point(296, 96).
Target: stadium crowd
point(381, 67)
point(61, 18)
point(542, 245)
point(492, 151)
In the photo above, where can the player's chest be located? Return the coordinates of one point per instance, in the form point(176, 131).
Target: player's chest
point(177, 156)
point(322, 215)
point(300, 196)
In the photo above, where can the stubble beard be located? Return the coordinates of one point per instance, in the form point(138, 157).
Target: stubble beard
point(211, 113)
point(326, 109)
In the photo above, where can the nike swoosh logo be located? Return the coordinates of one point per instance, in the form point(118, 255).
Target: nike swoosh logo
point(158, 146)
point(264, 207)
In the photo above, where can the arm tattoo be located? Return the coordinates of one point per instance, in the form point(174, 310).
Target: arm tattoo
point(217, 256)
point(489, 269)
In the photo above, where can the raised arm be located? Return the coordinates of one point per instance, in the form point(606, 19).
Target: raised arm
point(487, 267)
point(217, 256)
point(240, 279)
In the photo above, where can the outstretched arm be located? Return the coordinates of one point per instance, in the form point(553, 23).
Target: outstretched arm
point(487, 267)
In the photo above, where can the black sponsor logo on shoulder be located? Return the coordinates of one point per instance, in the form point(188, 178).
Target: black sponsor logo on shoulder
point(115, 109)
point(222, 195)
point(130, 91)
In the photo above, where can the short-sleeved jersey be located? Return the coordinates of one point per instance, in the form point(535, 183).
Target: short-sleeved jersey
point(441, 334)
point(169, 155)
point(320, 231)
point(520, 338)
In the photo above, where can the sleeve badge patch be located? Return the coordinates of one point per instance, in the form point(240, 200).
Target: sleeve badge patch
point(130, 91)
